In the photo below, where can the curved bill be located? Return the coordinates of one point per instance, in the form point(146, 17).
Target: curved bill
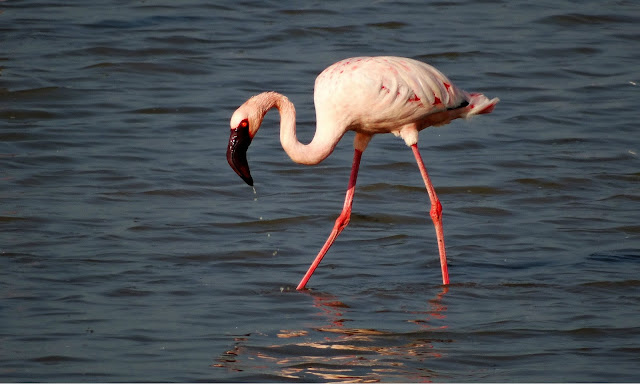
point(239, 141)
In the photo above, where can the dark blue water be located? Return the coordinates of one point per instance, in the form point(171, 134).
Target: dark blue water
point(130, 251)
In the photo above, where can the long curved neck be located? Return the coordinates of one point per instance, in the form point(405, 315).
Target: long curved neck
point(313, 153)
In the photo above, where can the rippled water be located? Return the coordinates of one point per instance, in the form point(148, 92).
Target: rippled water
point(130, 251)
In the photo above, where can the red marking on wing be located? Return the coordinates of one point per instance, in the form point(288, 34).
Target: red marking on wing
point(437, 100)
point(447, 85)
point(414, 98)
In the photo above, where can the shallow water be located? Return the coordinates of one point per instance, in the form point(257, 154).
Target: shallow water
point(130, 251)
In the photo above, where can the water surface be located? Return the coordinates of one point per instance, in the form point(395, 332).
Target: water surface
point(130, 251)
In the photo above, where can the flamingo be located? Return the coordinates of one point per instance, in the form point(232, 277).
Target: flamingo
point(367, 95)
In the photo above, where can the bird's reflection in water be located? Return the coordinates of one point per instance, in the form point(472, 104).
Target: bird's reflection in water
point(437, 311)
point(336, 352)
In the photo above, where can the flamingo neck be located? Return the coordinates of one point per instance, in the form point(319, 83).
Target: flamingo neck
point(313, 153)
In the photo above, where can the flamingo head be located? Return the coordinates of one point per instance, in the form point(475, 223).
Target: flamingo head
point(239, 141)
point(244, 125)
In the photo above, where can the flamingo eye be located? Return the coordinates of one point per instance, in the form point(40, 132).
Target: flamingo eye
point(244, 123)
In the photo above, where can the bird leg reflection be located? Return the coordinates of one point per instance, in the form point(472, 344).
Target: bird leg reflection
point(341, 222)
point(437, 311)
point(332, 351)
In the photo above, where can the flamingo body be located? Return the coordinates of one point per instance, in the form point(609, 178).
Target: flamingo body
point(381, 94)
point(368, 95)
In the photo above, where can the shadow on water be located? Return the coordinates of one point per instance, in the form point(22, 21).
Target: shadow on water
point(333, 351)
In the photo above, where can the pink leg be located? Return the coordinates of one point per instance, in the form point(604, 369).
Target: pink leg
point(341, 222)
point(436, 214)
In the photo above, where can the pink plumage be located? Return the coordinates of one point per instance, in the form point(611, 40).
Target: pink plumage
point(367, 95)
point(384, 94)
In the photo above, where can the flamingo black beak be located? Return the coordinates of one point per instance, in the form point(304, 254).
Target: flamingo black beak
point(239, 141)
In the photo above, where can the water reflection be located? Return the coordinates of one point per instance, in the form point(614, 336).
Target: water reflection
point(330, 308)
point(335, 352)
point(436, 311)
